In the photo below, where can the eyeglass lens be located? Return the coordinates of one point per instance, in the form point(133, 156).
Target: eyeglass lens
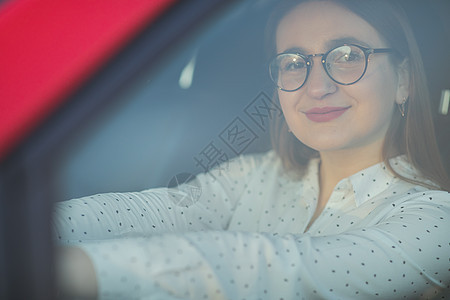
point(345, 65)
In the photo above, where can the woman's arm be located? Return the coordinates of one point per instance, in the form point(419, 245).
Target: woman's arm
point(406, 255)
point(205, 204)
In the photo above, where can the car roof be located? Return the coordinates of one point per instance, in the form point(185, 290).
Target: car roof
point(50, 48)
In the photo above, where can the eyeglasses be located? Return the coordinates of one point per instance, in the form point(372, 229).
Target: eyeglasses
point(344, 64)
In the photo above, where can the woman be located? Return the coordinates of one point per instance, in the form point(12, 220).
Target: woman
point(352, 204)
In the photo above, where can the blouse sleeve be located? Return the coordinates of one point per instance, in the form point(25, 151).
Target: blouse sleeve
point(205, 203)
point(404, 256)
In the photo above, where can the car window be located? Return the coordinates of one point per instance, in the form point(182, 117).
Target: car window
point(207, 100)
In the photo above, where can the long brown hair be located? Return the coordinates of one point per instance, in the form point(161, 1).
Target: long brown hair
point(412, 135)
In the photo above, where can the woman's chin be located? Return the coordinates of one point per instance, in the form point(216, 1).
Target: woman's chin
point(327, 144)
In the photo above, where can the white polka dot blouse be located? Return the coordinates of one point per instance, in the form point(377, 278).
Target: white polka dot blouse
point(239, 232)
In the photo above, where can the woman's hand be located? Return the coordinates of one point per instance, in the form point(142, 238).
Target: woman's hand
point(75, 274)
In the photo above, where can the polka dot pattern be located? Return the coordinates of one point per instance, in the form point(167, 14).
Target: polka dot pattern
point(377, 238)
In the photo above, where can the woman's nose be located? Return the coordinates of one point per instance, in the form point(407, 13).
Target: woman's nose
point(319, 84)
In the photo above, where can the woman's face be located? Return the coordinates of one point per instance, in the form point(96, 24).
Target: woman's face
point(353, 116)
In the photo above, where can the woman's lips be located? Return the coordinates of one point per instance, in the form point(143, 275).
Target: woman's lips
point(325, 114)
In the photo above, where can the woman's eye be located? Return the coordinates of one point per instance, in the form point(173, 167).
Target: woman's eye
point(294, 66)
point(349, 57)
point(346, 54)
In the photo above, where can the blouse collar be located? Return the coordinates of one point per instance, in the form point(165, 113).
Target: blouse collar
point(376, 179)
point(364, 184)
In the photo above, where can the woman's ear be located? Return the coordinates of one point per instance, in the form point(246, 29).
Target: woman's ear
point(403, 81)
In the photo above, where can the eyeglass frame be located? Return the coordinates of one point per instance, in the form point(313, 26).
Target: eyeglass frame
point(309, 63)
